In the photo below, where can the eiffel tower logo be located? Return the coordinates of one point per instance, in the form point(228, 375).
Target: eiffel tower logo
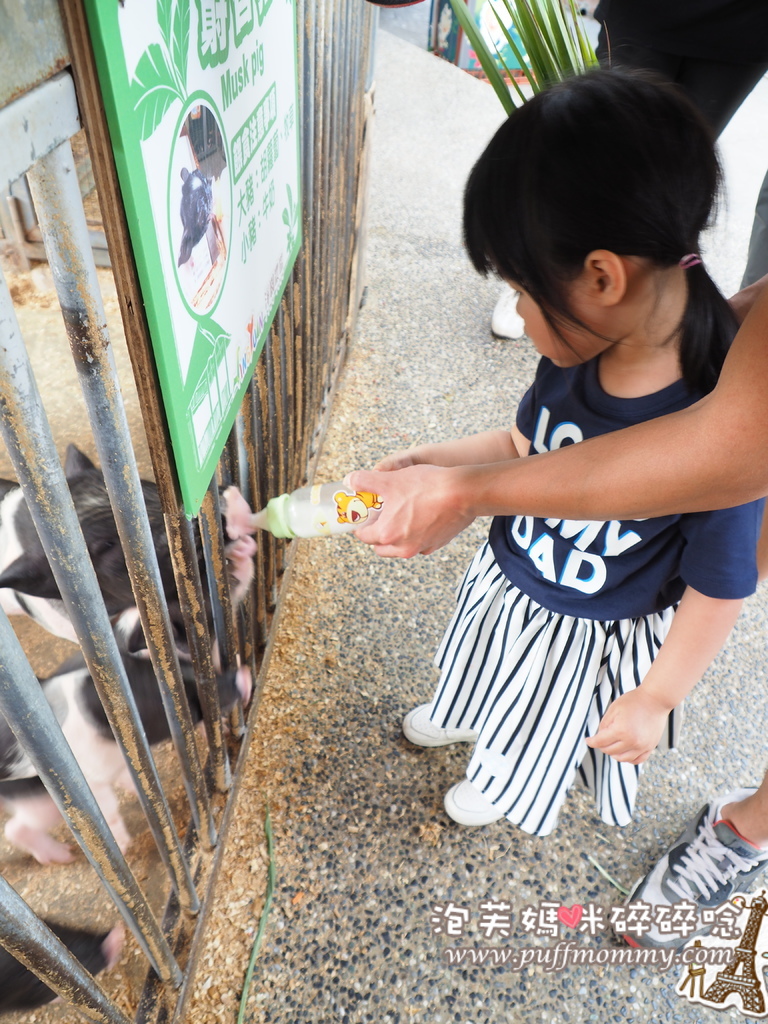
point(739, 975)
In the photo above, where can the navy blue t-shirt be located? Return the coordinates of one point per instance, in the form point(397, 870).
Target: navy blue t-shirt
point(617, 569)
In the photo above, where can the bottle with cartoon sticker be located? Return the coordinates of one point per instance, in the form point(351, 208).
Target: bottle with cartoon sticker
point(318, 511)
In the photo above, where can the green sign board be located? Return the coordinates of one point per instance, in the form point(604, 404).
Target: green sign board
point(202, 103)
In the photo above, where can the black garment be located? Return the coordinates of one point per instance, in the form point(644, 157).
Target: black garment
point(716, 50)
point(734, 31)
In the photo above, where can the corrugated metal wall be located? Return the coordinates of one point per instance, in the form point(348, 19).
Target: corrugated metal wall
point(51, 89)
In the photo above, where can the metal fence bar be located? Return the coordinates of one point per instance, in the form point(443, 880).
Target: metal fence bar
point(257, 496)
point(34, 724)
point(30, 446)
point(36, 123)
point(302, 287)
point(65, 232)
point(234, 469)
point(25, 936)
point(218, 585)
point(184, 548)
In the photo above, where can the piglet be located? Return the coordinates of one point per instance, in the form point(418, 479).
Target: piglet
point(20, 989)
point(28, 587)
point(75, 702)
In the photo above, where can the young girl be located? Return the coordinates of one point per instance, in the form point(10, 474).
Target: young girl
point(574, 643)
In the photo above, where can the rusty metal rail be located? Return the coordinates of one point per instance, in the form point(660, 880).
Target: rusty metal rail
point(273, 447)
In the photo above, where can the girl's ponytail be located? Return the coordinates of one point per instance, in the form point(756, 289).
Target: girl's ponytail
point(707, 329)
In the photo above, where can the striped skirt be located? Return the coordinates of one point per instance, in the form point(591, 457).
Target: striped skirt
point(535, 685)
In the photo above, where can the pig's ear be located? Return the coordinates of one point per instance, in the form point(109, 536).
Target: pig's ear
point(6, 486)
point(76, 461)
point(30, 575)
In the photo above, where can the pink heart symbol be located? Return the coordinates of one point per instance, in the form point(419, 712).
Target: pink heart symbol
point(570, 916)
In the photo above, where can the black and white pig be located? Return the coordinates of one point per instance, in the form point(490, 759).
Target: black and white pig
point(71, 693)
point(20, 989)
point(195, 209)
point(28, 587)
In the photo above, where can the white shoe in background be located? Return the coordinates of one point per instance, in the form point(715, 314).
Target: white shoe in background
point(506, 324)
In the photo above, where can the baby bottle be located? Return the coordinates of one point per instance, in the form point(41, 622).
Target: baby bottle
point(318, 511)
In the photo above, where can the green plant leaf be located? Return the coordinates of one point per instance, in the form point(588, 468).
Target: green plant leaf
point(510, 73)
point(586, 50)
point(180, 42)
point(554, 44)
point(484, 55)
point(521, 58)
point(536, 37)
point(271, 882)
point(152, 90)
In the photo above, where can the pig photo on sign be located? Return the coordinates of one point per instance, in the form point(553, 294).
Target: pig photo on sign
point(196, 207)
point(199, 201)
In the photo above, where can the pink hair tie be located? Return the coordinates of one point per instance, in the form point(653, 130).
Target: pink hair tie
point(691, 260)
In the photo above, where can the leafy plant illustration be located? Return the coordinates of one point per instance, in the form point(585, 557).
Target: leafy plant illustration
point(262, 6)
point(291, 219)
point(161, 74)
point(216, 336)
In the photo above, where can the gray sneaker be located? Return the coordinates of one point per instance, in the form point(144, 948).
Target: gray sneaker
point(707, 864)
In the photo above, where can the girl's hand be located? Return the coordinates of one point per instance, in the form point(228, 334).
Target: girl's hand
point(631, 727)
point(398, 460)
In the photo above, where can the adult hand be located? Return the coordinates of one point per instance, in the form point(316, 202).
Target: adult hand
point(420, 511)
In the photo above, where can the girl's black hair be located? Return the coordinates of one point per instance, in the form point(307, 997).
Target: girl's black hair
point(611, 160)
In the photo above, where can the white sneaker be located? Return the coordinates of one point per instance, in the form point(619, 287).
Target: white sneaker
point(468, 806)
point(419, 730)
point(506, 324)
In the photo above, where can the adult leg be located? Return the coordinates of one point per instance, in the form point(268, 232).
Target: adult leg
point(718, 88)
point(709, 863)
point(626, 54)
point(750, 816)
point(757, 255)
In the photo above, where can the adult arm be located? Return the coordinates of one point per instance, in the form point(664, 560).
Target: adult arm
point(743, 301)
point(712, 455)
